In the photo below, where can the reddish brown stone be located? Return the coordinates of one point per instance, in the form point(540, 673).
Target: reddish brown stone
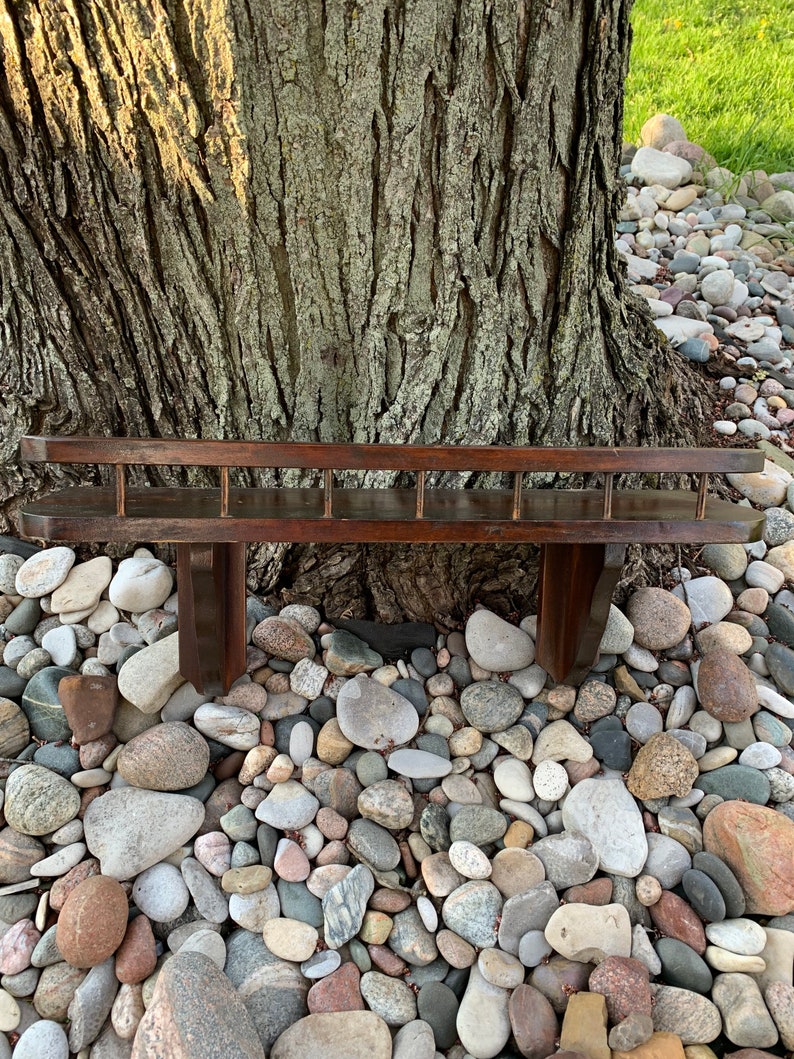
point(726, 687)
point(390, 901)
point(595, 892)
point(338, 992)
point(387, 961)
point(137, 955)
point(623, 983)
point(330, 823)
point(581, 770)
point(89, 704)
point(62, 887)
point(17, 853)
point(229, 766)
point(87, 796)
point(533, 1022)
point(674, 918)
point(225, 796)
point(757, 844)
point(94, 753)
point(92, 922)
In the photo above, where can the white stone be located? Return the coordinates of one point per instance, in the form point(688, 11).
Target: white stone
point(760, 574)
point(743, 936)
point(60, 862)
point(496, 645)
point(149, 678)
point(374, 717)
point(550, 781)
point(290, 939)
point(469, 860)
point(678, 329)
point(229, 725)
point(514, 780)
point(419, 764)
point(589, 933)
point(605, 811)
point(708, 598)
point(717, 287)
point(773, 701)
point(131, 829)
point(140, 584)
point(61, 644)
point(301, 742)
point(661, 167)
point(483, 1022)
point(43, 572)
point(83, 586)
point(209, 942)
point(160, 893)
point(308, 679)
point(44, 1039)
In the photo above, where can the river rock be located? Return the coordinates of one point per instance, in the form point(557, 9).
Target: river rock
point(42, 706)
point(569, 859)
point(662, 767)
point(344, 906)
point(605, 812)
point(141, 583)
point(746, 1021)
point(92, 922)
point(83, 586)
point(168, 757)
point(472, 911)
point(229, 725)
point(38, 801)
point(289, 806)
point(533, 1022)
point(149, 678)
point(726, 687)
point(757, 844)
point(694, 1018)
point(660, 167)
point(43, 572)
point(496, 645)
point(373, 716)
point(660, 620)
point(483, 1021)
point(590, 933)
point(131, 829)
point(388, 997)
point(195, 1012)
point(491, 706)
point(335, 1035)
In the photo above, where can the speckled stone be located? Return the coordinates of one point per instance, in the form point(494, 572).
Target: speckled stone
point(168, 757)
point(757, 844)
point(337, 1035)
point(694, 1018)
point(92, 922)
point(662, 767)
point(373, 716)
point(624, 983)
point(660, 620)
point(192, 992)
point(472, 910)
point(726, 687)
point(38, 801)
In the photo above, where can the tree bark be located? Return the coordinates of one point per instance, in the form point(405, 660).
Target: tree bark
point(305, 219)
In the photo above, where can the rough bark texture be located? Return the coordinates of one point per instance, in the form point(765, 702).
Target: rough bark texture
point(388, 220)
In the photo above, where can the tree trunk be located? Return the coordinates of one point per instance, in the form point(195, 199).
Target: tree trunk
point(379, 221)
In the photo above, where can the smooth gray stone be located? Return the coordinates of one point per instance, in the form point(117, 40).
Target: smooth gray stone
point(525, 912)
point(91, 1004)
point(569, 858)
point(11, 683)
point(391, 641)
point(682, 967)
point(24, 617)
point(298, 903)
point(42, 706)
point(273, 991)
point(438, 1006)
point(727, 883)
point(704, 895)
point(478, 824)
point(736, 781)
point(373, 844)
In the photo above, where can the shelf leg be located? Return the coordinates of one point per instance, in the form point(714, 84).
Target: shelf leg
point(576, 583)
point(211, 587)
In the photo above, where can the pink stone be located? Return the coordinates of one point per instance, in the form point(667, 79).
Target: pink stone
point(338, 992)
point(214, 852)
point(17, 945)
point(290, 862)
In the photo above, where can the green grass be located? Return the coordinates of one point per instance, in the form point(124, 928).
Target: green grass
point(725, 69)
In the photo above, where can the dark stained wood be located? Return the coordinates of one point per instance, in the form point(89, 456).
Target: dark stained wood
point(319, 456)
point(582, 532)
point(211, 585)
point(575, 587)
point(84, 513)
